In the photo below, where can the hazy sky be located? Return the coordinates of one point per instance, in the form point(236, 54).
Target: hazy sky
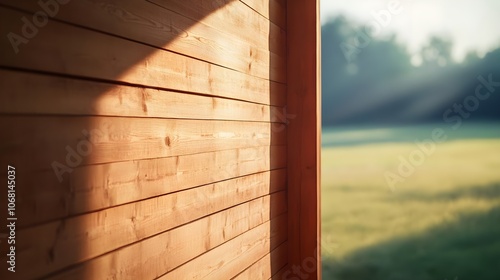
point(471, 24)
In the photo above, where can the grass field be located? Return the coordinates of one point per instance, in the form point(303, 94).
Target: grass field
point(442, 222)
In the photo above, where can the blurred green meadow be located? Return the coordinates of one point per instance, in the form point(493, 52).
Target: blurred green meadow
point(441, 222)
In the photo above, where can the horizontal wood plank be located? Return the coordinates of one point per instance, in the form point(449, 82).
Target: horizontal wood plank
point(266, 267)
point(30, 93)
point(81, 52)
point(145, 22)
point(151, 139)
point(50, 247)
point(274, 10)
point(232, 17)
point(41, 197)
point(63, 143)
point(164, 252)
point(232, 257)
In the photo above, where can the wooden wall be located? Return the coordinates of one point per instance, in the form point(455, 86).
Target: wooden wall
point(149, 138)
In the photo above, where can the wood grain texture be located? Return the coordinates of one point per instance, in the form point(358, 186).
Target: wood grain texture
point(95, 187)
point(227, 260)
point(266, 267)
point(152, 140)
point(164, 252)
point(232, 17)
point(40, 143)
point(48, 247)
point(274, 10)
point(304, 133)
point(147, 23)
point(30, 93)
point(80, 52)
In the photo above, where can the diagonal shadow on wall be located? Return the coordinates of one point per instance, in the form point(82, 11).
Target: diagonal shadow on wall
point(69, 93)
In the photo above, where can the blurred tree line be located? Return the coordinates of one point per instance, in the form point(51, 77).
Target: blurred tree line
point(371, 80)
